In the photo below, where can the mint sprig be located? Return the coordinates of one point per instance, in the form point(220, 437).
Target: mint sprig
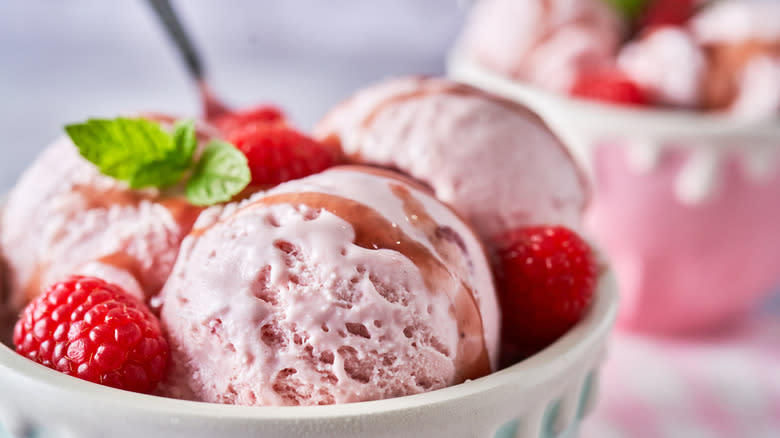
point(629, 9)
point(142, 154)
point(221, 172)
point(185, 141)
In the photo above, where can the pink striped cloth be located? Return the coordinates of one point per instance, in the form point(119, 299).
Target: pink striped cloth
point(722, 386)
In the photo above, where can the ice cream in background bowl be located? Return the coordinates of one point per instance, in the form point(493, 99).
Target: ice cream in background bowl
point(685, 192)
point(368, 286)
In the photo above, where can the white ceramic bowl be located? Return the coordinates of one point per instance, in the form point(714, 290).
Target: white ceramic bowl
point(544, 396)
point(685, 203)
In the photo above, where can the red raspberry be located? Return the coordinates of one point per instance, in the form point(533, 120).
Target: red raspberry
point(609, 86)
point(546, 277)
point(661, 13)
point(278, 153)
point(231, 122)
point(87, 328)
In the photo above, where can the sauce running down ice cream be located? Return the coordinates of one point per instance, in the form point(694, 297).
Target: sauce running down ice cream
point(64, 217)
point(494, 161)
point(344, 286)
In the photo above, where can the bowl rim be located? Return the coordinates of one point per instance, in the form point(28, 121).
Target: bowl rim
point(604, 118)
point(543, 366)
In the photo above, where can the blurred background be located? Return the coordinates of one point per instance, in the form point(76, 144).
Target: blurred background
point(64, 61)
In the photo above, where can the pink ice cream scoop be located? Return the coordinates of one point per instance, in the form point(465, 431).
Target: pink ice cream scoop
point(64, 217)
point(738, 20)
point(495, 161)
point(543, 43)
point(345, 286)
point(668, 64)
point(742, 39)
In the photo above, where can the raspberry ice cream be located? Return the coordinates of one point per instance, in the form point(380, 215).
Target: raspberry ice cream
point(544, 43)
point(738, 20)
point(64, 217)
point(495, 161)
point(668, 64)
point(700, 55)
point(345, 286)
point(742, 39)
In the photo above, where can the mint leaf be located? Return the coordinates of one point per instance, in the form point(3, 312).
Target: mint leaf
point(120, 146)
point(629, 9)
point(157, 174)
point(137, 151)
point(185, 141)
point(143, 154)
point(170, 169)
point(222, 172)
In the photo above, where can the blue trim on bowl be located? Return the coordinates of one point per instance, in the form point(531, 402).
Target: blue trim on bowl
point(29, 433)
point(509, 430)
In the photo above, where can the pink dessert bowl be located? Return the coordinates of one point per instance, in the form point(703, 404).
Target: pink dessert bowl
point(685, 204)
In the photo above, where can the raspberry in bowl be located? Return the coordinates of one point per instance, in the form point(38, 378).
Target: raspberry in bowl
point(345, 298)
point(678, 127)
point(93, 330)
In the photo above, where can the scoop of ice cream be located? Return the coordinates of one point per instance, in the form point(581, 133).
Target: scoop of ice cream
point(64, 217)
point(668, 64)
point(496, 162)
point(759, 86)
point(345, 286)
point(544, 43)
point(742, 39)
point(736, 21)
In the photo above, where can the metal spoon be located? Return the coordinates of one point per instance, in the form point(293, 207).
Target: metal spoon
point(212, 106)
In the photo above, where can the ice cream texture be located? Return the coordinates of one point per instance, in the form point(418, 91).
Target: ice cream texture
point(345, 286)
point(494, 161)
point(726, 57)
point(63, 217)
point(742, 39)
point(544, 43)
point(668, 64)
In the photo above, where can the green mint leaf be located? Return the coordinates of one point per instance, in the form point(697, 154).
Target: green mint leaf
point(222, 172)
point(185, 141)
point(120, 146)
point(157, 174)
point(629, 9)
point(141, 153)
point(137, 151)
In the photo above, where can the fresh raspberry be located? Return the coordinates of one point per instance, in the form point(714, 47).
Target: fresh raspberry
point(231, 122)
point(609, 86)
point(546, 278)
point(87, 328)
point(659, 13)
point(278, 153)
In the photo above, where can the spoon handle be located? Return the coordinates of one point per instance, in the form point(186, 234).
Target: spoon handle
point(212, 107)
point(176, 32)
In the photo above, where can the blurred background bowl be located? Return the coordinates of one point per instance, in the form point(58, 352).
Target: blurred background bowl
point(685, 204)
